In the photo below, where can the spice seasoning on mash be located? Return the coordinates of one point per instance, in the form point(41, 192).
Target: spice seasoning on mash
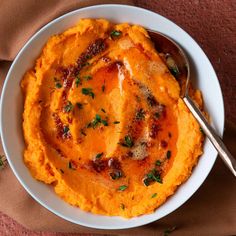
point(104, 122)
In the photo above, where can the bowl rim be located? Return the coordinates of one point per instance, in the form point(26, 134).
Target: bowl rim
point(28, 42)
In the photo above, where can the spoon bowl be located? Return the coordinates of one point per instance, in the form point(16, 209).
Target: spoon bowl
point(178, 64)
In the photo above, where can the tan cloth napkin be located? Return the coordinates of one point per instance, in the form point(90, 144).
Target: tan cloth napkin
point(211, 211)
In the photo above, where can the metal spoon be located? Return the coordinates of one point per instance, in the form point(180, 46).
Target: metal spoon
point(178, 64)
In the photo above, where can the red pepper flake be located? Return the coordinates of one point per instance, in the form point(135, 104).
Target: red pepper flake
point(155, 128)
point(63, 131)
point(151, 100)
point(99, 165)
point(68, 82)
point(92, 50)
point(69, 120)
point(106, 59)
point(164, 144)
point(49, 169)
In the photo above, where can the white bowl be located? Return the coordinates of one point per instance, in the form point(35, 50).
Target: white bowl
point(12, 107)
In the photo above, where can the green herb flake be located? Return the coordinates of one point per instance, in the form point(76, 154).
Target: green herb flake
point(97, 120)
point(1, 160)
point(146, 182)
point(103, 110)
point(68, 107)
point(152, 176)
point(116, 122)
point(122, 206)
point(167, 232)
point(99, 155)
point(104, 122)
point(88, 56)
point(86, 64)
point(88, 92)
point(87, 77)
point(79, 105)
point(174, 71)
point(77, 81)
point(158, 163)
point(168, 154)
point(201, 130)
point(58, 85)
point(116, 175)
point(122, 187)
point(115, 34)
point(66, 129)
point(103, 87)
point(154, 195)
point(71, 166)
point(128, 142)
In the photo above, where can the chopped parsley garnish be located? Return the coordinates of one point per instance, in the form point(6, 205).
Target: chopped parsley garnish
point(128, 141)
point(140, 115)
point(152, 176)
point(1, 160)
point(116, 175)
point(168, 231)
point(201, 130)
point(116, 122)
point(103, 87)
point(168, 154)
point(172, 66)
point(66, 129)
point(122, 187)
point(88, 92)
point(154, 195)
point(115, 34)
point(77, 81)
point(88, 56)
point(97, 120)
point(68, 107)
point(105, 123)
point(87, 77)
point(174, 71)
point(79, 105)
point(99, 155)
point(57, 83)
point(103, 110)
point(122, 206)
point(158, 163)
point(71, 166)
point(86, 64)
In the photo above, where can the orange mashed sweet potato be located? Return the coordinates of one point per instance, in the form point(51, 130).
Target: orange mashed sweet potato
point(104, 122)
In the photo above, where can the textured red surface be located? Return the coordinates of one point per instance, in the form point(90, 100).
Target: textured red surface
point(212, 24)
point(9, 227)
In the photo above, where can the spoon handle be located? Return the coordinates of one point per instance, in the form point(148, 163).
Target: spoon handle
point(211, 134)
